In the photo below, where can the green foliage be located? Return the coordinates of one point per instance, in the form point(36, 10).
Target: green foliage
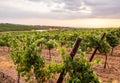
point(96, 61)
point(27, 58)
point(53, 68)
point(62, 52)
point(25, 51)
point(4, 39)
point(2, 43)
point(51, 44)
point(42, 41)
point(104, 47)
point(79, 70)
point(113, 40)
point(90, 42)
point(15, 27)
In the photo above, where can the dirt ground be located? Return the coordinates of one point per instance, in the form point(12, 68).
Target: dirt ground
point(109, 75)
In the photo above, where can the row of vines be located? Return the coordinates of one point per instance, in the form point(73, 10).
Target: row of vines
point(25, 51)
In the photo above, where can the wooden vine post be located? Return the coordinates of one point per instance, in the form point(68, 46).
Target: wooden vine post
point(18, 80)
point(105, 61)
point(72, 54)
point(102, 37)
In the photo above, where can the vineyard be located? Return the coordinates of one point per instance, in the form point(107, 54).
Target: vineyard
point(61, 56)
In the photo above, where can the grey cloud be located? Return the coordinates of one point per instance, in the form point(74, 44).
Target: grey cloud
point(11, 12)
point(34, 0)
point(105, 9)
point(71, 5)
point(100, 8)
point(71, 9)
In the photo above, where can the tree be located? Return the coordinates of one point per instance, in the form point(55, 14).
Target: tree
point(113, 40)
point(50, 45)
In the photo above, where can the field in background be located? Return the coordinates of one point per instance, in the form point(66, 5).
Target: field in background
point(16, 27)
point(4, 27)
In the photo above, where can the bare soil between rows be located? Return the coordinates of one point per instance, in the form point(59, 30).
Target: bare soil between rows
point(109, 75)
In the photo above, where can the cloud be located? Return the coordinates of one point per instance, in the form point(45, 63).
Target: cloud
point(65, 5)
point(98, 8)
point(59, 9)
point(104, 8)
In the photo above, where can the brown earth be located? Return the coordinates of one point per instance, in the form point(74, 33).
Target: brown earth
point(109, 75)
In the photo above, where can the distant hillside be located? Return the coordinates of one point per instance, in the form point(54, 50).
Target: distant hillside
point(16, 27)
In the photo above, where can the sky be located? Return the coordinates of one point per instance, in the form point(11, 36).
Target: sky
point(71, 13)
